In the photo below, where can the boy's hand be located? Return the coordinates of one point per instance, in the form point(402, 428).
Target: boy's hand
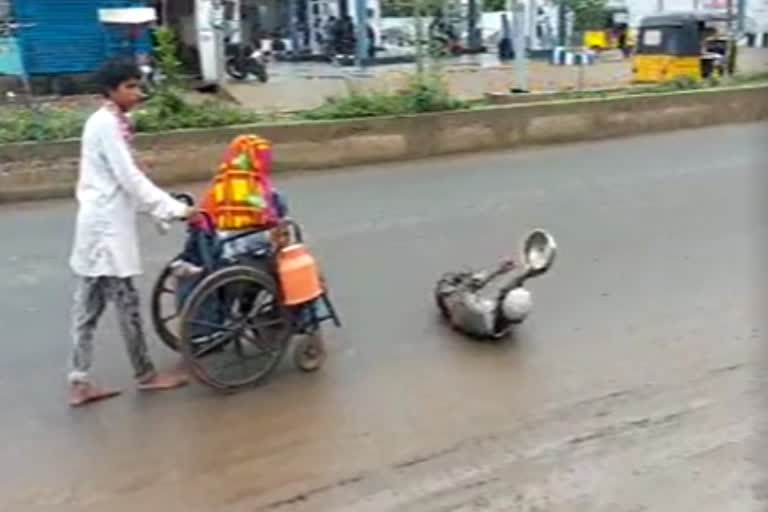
point(162, 227)
point(189, 212)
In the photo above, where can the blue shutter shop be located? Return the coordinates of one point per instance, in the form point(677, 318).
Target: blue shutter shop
point(66, 36)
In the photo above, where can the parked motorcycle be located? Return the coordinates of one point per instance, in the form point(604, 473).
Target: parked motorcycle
point(243, 60)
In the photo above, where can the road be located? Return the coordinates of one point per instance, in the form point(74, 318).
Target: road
point(633, 387)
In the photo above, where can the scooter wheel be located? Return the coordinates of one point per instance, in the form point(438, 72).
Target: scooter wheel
point(234, 70)
point(261, 74)
point(310, 353)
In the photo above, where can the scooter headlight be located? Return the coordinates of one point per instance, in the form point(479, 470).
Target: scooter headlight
point(539, 251)
point(517, 304)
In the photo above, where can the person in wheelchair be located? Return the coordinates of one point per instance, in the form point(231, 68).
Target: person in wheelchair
point(192, 260)
point(241, 200)
point(238, 220)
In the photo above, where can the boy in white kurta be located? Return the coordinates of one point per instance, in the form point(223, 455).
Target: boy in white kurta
point(111, 191)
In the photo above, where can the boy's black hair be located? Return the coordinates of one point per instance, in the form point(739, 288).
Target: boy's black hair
point(116, 72)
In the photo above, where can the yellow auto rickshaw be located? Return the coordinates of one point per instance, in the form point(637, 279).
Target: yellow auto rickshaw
point(611, 33)
point(681, 45)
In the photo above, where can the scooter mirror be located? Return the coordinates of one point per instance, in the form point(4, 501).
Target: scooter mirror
point(539, 251)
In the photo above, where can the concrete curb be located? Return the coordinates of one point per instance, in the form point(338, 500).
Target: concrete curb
point(47, 170)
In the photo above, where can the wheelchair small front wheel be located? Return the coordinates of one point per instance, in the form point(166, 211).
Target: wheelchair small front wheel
point(310, 352)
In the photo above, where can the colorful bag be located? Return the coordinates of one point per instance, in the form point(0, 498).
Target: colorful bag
point(241, 195)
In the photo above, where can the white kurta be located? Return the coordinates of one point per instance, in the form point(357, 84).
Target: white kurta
point(111, 191)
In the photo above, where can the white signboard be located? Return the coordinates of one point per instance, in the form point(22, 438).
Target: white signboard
point(128, 15)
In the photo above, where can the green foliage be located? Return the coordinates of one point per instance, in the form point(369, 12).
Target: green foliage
point(681, 84)
point(424, 94)
point(587, 14)
point(494, 5)
point(40, 124)
point(167, 55)
point(167, 110)
point(427, 93)
point(356, 105)
point(406, 8)
point(745, 78)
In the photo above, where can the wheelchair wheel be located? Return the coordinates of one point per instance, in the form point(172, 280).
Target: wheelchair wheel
point(165, 310)
point(248, 328)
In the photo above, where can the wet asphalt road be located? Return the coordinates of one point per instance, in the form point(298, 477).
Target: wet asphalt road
point(631, 388)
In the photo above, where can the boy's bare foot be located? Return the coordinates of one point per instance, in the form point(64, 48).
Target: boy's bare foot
point(83, 393)
point(163, 381)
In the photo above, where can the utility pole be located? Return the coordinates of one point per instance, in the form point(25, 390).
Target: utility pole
point(742, 8)
point(293, 25)
point(561, 23)
point(419, 21)
point(531, 25)
point(361, 13)
point(730, 54)
point(472, 41)
point(731, 38)
point(521, 60)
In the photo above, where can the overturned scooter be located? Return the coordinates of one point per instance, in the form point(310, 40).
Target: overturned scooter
point(471, 306)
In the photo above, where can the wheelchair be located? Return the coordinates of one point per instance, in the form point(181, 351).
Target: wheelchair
point(231, 322)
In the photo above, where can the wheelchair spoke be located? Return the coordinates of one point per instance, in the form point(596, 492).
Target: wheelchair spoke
point(265, 309)
point(259, 341)
point(262, 324)
point(241, 357)
point(239, 348)
point(262, 327)
point(210, 346)
point(242, 301)
point(211, 325)
point(165, 319)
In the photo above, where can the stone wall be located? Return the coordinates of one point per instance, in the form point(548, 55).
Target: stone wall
point(49, 170)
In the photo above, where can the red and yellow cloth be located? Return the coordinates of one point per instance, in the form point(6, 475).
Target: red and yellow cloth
point(240, 196)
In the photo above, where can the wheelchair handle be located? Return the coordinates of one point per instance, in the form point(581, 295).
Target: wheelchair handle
point(189, 200)
point(293, 226)
point(184, 198)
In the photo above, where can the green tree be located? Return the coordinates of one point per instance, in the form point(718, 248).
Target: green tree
point(587, 14)
point(167, 55)
point(407, 8)
point(495, 5)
